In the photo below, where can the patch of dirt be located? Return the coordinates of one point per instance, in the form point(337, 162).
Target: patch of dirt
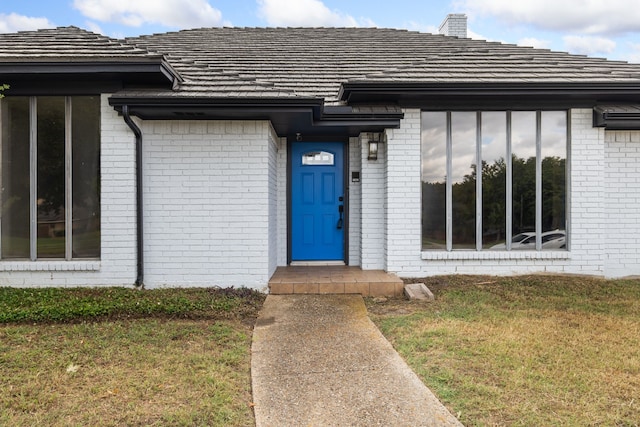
point(397, 306)
point(401, 306)
point(437, 283)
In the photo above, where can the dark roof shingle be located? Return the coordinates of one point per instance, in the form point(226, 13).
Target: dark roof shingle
point(69, 44)
point(314, 62)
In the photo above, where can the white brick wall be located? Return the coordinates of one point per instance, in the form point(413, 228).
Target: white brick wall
point(282, 201)
point(216, 208)
point(355, 199)
point(586, 190)
point(273, 201)
point(404, 194)
point(208, 196)
point(117, 266)
point(373, 207)
point(622, 204)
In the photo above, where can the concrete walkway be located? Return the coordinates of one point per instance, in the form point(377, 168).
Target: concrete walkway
point(317, 360)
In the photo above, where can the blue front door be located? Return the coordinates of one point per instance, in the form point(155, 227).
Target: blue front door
point(317, 201)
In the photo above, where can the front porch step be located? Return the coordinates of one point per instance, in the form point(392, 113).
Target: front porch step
point(334, 280)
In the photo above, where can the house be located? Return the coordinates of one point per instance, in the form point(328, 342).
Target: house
point(214, 156)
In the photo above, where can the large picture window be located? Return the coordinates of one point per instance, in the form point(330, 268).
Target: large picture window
point(517, 201)
point(50, 178)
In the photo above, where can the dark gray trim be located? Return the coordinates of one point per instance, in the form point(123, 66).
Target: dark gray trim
point(305, 116)
point(617, 117)
point(489, 96)
point(152, 71)
point(86, 78)
point(33, 175)
point(289, 202)
point(139, 202)
point(568, 185)
point(346, 156)
point(68, 178)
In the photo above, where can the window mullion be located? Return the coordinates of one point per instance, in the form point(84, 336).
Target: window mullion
point(538, 180)
point(509, 189)
point(33, 172)
point(1, 197)
point(68, 214)
point(449, 190)
point(478, 181)
point(567, 221)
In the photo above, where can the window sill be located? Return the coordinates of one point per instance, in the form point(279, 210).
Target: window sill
point(78, 265)
point(494, 255)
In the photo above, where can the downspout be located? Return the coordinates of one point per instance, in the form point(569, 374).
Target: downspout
point(139, 223)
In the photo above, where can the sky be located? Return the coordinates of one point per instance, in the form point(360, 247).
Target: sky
point(608, 29)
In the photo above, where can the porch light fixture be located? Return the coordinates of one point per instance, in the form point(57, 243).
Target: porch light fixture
point(374, 143)
point(375, 139)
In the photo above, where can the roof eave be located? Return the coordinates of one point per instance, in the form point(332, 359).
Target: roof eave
point(617, 117)
point(289, 116)
point(154, 72)
point(489, 95)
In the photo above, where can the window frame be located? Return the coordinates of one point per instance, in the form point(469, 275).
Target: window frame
point(33, 183)
point(509, 182)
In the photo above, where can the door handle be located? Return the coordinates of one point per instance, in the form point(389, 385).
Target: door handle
point(340, 211)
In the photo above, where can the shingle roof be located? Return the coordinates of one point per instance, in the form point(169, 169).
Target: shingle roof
point(72, 55)
point(70, 44)
point(314, 62)
point(303, 63)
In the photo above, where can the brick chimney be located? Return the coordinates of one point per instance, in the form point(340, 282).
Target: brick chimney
point(455, 24)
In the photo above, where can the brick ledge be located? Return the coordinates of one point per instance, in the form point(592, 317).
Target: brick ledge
point(18, 266)
point(495, 255)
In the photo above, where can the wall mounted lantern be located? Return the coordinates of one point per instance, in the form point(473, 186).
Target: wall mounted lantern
point(374, 144)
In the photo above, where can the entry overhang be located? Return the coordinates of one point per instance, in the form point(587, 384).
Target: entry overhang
point(288, 116)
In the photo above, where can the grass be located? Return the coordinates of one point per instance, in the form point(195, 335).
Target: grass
point(115, 357)
point(525, 351)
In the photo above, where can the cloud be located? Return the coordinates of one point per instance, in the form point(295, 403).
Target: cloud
point(585, 45)
point(591, 17)
point(306, 13)
point(634, 54)
point(13, 22)
point(134, 13)
point(423, 28)
point(94, 28)
point(534, 42)
point(473, 35)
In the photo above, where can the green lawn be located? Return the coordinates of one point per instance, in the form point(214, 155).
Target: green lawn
point(531, 351)
point(114, 357)
point(525, 351)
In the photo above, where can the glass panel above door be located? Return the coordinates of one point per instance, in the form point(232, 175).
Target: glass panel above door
point(318, 158)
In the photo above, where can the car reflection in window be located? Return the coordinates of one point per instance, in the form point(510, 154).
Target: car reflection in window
point(555, 239)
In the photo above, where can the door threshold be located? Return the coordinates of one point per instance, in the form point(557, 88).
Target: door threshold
point(315, 263)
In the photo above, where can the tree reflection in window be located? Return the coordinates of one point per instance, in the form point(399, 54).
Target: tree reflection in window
point(496, 176)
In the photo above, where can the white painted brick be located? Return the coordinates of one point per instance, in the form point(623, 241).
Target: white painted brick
point(211, 203)
point(373, 207)
point(215, 208)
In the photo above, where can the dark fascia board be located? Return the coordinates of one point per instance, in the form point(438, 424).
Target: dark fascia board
point(489, 95)
point(288, 116)
point(617, 117)
point(154, 72)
